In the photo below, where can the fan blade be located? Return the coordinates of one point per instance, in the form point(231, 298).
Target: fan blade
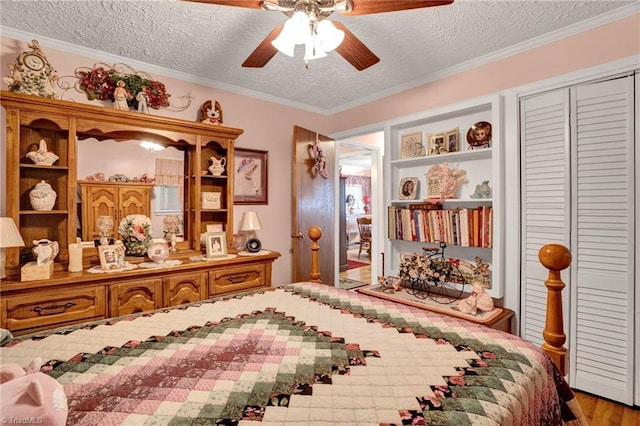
point(354, 51)
point(251, 4)
point(264, 52)
point(366, 7)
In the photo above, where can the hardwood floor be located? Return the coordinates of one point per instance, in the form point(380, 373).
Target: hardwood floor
point(598, 411)
point(601, 412)
point(358, 274)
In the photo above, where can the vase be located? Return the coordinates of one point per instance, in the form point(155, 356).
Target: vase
point(42, 196)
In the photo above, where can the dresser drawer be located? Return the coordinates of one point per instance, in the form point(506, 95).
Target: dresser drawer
point(229, 280)
point(184, 288)
point(135, 296)
point(44, 309)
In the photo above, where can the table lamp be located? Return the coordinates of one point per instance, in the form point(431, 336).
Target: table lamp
point(250, 224)
point(9, 237)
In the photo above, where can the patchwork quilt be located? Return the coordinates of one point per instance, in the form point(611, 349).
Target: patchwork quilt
point(297, 355)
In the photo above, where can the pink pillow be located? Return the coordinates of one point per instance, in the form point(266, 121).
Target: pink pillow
point(31, 395)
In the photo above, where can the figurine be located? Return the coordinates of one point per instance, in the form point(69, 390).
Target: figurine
point(478, 300)
point(389, 284)
point(143, 100)
point(482, 190)
point(42, 156)
point(211, 113)
point(45, 250)
point(120, 96)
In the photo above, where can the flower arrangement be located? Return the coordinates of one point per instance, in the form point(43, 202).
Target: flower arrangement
point(135, 230)
point(414, 267)
point(100, 82)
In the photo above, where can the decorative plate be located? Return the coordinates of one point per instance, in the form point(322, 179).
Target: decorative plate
point(158, 251)
point(479, 135)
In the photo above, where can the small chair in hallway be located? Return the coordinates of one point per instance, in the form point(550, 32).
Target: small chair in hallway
point(364, 228)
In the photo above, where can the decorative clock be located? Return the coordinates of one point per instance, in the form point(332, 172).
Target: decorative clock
point(32, 74)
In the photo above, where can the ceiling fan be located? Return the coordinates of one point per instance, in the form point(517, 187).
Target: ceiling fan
point(308, 25)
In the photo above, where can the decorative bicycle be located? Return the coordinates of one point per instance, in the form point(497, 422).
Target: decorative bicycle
point(433, 275)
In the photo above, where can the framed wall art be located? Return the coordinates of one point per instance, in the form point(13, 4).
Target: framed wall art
point(411, 145)
point(250, 185)
point(408, 188)
point(216, 243)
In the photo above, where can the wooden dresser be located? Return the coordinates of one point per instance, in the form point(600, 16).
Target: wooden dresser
point(75, 297)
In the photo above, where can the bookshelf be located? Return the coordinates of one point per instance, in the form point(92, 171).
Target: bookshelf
point(471, 227)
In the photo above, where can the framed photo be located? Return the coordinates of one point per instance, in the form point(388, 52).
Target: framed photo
point(250, 184)
point(211, 200)
point(111, 257)
point(411, 145)
point(408, 188)
point(216, 243)
point(453, 140)
point(437, 144)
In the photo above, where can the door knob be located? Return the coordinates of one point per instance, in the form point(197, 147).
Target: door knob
point(299, 235)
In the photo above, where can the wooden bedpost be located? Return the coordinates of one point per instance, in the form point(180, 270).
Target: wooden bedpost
point(315, 233)
point(556, 258)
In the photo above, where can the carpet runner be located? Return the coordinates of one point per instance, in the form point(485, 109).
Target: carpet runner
point(354, 264)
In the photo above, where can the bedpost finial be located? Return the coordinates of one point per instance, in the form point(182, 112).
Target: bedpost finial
point(555, 257)
point(315, 232)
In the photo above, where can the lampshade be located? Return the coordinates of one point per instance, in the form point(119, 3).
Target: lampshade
point(9, 234)
point(250, 222)
point(313, 49)
point(9, 237)
point(296, 31)
point(330, 36)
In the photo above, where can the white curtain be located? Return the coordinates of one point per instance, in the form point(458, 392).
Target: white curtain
point(169, 172)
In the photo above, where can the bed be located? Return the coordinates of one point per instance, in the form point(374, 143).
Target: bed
point(303, 353)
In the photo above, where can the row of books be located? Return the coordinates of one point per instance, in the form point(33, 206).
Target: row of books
point(471, 227)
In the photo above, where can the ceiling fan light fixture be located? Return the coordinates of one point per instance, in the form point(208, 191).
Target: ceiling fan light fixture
point(313, 49)
point(330, 36)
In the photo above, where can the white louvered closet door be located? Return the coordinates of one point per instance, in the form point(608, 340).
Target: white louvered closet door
point(577, 189)
point(602, 240)
point(545, 203)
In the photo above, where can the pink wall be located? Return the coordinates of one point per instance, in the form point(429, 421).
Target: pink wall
point(268, 126)
point(620, 39)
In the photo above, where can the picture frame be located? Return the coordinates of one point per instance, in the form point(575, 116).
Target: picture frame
point(408, 189)
point(250, 185)
point(216, 244)
point(452, 139)
point(111, 257)
point(437, 144)
point(211, 200)
point(411, 145)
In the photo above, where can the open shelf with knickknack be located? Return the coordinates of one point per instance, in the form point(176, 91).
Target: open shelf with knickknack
point(469, 220)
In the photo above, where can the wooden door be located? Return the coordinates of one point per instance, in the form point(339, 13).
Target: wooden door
point(134, 200)
point(313, 203)
point(97, 200)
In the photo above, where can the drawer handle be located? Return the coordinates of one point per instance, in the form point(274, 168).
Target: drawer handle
point(237, 278)
point(41, 309)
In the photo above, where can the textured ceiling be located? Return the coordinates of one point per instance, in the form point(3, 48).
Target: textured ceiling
point(210, 42)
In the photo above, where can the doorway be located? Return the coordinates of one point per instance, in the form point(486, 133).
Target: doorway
point(359, 162)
